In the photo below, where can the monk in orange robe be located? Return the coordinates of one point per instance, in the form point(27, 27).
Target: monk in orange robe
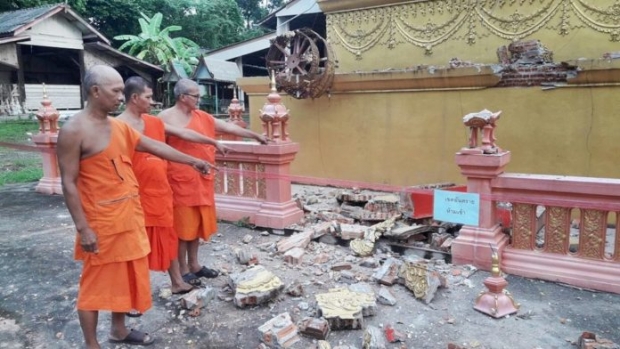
point(101, 192)
point(155, 192)
point(193, 196)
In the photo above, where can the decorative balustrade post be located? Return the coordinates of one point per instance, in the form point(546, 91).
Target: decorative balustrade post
point(261, 175)
point(235, 116)
point(46, 140)
point(480, 165)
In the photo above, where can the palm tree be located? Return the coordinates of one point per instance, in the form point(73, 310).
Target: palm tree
point(155, 45)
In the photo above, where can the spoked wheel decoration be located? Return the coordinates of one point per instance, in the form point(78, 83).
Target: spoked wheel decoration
point(303, 62)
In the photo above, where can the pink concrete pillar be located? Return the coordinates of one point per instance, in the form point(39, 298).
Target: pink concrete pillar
point(46, 140)
point(473, 245)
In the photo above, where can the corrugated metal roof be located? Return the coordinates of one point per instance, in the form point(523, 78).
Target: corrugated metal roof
point(13, 20)
point(220, 70)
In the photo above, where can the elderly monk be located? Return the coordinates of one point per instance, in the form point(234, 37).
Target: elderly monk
point(193, 195)
point(155, 192)
point(101, 193)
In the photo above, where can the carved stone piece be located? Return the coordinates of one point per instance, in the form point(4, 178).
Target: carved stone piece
point(496, 302)
point(362, 247)
point(255, 286)
point(345, 309)
point(421, 279)
point(373, 338)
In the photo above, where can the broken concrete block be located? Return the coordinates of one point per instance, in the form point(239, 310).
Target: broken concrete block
point(345, 309)
point(198, 298)
point(437, 239)
point(254, 286)
point(294, 255)
point(404, 233)
point(341, 266)
point(421, 279)
point(362, 247)
point(589, 340)
point(383, 203)
point(388, 273)
point(352, 231)
point(333, 216)
point(346, 196)
point(385, 296)
point(373, 338)
point(295, 289)
point(325, 228)
point(245, 256)
point(296, 240)
point(447, 244)
point(347, 275)
point(315, 328)
point(280, 332)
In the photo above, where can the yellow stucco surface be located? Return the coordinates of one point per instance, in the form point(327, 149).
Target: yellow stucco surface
point(411, 138)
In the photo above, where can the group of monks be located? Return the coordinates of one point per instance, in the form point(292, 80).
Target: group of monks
point(136, 202)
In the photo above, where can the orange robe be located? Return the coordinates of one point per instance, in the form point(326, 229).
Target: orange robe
point(156, 199)
point(193, 193)
point(117, 278)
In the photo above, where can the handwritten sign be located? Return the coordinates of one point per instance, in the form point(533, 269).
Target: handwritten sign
point(456, 207)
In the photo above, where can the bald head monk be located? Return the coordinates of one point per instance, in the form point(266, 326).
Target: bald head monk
point(101, 192)
point(150, 171)
point(193, 196)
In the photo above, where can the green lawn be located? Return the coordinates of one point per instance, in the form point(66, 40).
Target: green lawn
point(18, 166)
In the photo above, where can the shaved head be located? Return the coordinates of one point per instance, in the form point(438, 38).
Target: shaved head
point(98, 75)
point(184, 86)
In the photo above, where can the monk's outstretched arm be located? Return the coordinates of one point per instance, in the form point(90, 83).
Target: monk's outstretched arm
point(68, 152)
point(195, 137)
point(167, 152)
point(227, 127)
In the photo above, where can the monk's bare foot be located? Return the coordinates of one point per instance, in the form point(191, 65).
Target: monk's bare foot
point(181, 288)
point(119, 333)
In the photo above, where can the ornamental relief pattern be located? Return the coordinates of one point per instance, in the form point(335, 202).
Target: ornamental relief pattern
point(592, 234)
point(557, 230)
point(523, 226)
point(431, 23)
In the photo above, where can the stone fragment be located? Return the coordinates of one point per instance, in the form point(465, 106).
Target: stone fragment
point(373, 338)
point(321, 258)
point(362, 247)
point(446, 245)
point(296, 240)
point(325, 228)
point(328, 240)
point(198, 298)
point(314, 327)
point(345, 309)
point(385, 296)
point(369, 263)
point(254, 286)
point(388, 273)
point(264, 233)
point(421, 279)
point(294, 255)
point(341, 266)
point(352, 231)
point(279, 332)
point(346, 196)
point(437, 239)
point(362, 287)
point(295, 289)
point(365, 215)
point(245, 256)
point(392, 335)
point(589, 340)
point(268, 247)
point(247, 239)
point(383, 203)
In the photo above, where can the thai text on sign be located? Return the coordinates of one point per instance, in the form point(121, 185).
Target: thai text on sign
point(456, 207)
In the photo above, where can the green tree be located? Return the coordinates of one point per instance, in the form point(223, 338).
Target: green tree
point(155, 45)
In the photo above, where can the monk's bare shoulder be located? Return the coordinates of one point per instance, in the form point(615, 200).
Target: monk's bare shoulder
point(166, 114)
point(72, 128)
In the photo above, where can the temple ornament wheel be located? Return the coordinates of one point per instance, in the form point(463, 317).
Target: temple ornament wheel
point(303, 62)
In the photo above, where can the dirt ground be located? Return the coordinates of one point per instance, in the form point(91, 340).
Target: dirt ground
point(39, 287)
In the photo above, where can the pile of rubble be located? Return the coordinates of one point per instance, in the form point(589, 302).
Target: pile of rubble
point(360, 278)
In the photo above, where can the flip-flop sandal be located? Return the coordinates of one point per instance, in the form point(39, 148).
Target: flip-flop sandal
point(133, 313)
point(134, 337)
point(207, 273)
point(192, 279)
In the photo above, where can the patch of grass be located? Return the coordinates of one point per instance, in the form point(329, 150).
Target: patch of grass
point(21, 171)
point(15, 131)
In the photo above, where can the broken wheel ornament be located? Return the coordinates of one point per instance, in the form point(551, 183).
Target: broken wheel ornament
point(304, 63)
